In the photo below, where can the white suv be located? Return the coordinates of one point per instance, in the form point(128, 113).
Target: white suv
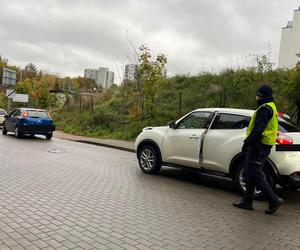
point(210, 140)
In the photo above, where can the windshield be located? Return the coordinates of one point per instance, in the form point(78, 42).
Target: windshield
point(287, 126)
point(38, 114)
point(2, 112)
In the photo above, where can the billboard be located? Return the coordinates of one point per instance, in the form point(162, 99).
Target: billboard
point(8, 76)
point(20, 98)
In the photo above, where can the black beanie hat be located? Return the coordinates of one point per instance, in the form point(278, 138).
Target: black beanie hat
point(265, 91)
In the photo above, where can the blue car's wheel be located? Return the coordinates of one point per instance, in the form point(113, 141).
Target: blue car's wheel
point(4, 131)
point(17, 133)
point(49, 136)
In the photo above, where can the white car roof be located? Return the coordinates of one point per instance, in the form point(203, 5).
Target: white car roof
point(248, 112)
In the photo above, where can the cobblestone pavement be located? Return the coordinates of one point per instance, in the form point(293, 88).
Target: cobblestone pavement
point(61, 194)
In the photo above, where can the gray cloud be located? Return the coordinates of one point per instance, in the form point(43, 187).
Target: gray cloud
point(68, 36)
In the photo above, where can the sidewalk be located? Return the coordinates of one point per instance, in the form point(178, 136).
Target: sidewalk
point(117, 144)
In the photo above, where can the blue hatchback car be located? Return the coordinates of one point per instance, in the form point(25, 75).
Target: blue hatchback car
point(30, 121)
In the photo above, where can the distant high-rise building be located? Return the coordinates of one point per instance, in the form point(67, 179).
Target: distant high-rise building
point(131, 71)
point(289, 45)
point(102, 76)
point(92, 74)
point(110, 77)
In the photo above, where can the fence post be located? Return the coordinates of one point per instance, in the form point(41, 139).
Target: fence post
point(80, 100)
point(180, 102)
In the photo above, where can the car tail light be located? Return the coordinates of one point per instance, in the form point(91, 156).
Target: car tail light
point(296, 174)
point(283, 115)
point(283, 139)
point(25, 114)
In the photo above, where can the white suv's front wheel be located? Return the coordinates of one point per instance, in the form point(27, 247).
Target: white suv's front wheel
point(149, 159)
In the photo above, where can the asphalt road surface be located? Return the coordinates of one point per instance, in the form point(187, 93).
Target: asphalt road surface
point(60, 194)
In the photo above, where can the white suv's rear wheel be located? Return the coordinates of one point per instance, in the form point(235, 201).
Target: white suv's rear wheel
point(241, 185)
point(149, 159)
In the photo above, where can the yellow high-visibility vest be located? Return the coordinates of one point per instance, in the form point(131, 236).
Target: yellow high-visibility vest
point(270, 133)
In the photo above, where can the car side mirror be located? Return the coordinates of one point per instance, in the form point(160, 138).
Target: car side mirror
point(172, 124)
point(5, 116)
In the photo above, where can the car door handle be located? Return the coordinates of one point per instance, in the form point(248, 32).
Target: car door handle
point(194, 137)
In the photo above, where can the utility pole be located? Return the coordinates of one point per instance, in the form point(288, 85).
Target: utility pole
point(224, 104)
point(80, 100)
point(68, 101)
point(8, 105)
point(9, 99)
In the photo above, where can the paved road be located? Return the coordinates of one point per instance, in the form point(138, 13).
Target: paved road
point(66, 195)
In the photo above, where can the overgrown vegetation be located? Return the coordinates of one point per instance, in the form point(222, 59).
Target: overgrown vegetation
point(122, 111)
point(116, 117)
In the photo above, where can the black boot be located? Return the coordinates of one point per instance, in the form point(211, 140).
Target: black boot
point(273, 206)
point(243, 205)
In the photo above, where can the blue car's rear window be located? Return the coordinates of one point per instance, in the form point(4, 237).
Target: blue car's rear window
point(38, 114)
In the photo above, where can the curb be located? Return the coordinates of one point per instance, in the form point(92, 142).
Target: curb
point(115, 144)
point(103, 145)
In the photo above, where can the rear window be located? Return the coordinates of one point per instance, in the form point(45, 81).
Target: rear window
point(231, 121)
point(287, 126)
point(2, 112)
point(38, 114)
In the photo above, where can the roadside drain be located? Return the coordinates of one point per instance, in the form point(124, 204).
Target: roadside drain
point(58, 150)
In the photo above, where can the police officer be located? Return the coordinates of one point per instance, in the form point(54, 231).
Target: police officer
point(261, 136)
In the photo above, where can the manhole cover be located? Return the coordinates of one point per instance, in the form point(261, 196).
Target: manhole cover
point(57, 150)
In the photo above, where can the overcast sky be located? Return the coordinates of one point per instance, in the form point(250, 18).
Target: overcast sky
point(67, 36)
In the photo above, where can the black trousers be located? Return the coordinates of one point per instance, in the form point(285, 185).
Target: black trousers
point(254, 175)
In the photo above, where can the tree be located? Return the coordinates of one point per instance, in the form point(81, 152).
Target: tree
point(3, 101)
point(43, 97)
point(3, 61)
point(263, 63)
point(24, 87)
point(56, 84)
point(30, 71)
point(85, 84)
point(150, 72)
point(294, 90)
